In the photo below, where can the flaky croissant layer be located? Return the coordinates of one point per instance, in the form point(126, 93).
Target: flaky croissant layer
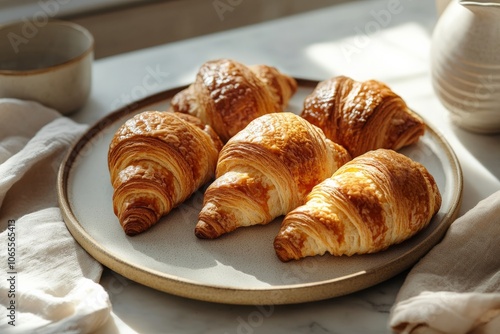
point(362, 116)
point(376, 200)
point(266, 170)
point(156, 161)
point(228, 95)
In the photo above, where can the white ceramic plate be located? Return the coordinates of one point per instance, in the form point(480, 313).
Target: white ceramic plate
point(240, 267)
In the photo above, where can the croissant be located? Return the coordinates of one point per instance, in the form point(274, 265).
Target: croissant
point(362, 116)
point(376, 200)
point(227, 95)
point(156, 161)
point(266, 170)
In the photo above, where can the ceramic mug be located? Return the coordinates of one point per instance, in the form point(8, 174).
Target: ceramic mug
point(50, 63)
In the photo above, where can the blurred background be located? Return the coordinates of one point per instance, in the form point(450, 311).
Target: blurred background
point(125, 25)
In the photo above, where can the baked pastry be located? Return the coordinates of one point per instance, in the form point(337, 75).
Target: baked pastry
point(362, 116)
point(227, 95)
point(156, 161)
point(376, 200)
point(266, 170)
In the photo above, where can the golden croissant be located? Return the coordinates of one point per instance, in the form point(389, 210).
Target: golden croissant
point(376, 200)
point(227, 95)
point(362, 116)
point(156, 161)
point(266, 170)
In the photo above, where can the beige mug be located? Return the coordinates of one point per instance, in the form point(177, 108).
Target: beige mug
point(50, 63)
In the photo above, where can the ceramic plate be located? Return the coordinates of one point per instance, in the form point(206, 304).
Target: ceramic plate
point(240, 267)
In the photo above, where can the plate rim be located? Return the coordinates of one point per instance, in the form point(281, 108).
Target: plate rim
point(273, 295)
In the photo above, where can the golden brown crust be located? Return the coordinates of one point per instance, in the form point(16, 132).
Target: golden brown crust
point(266, 170)
point(362, 116)
point(156, 160)
point(376, 200)
point(227, 95)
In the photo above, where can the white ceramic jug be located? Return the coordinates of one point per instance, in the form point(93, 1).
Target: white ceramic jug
point(465, 63)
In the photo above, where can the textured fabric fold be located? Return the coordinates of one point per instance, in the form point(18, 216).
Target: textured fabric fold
point(455, 288)
point(52, 283)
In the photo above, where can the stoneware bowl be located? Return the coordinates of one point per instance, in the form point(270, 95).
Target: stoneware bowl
point(49, 62)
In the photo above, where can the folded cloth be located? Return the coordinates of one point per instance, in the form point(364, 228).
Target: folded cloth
point(49, 283)
point(455, 288)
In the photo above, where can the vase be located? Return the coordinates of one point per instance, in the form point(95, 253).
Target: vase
point(465, 63)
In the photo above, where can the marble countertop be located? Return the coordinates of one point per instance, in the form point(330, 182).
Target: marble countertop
point(386, 40)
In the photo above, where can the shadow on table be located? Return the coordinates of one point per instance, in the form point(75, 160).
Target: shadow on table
point(484, 147)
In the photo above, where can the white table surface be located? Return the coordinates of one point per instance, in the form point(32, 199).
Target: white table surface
point(354, 39)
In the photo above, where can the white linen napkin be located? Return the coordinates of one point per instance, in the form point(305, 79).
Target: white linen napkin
point(455, 288)
point(49, 283)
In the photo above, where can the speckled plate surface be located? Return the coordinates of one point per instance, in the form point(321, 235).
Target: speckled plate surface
point(241, 267)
